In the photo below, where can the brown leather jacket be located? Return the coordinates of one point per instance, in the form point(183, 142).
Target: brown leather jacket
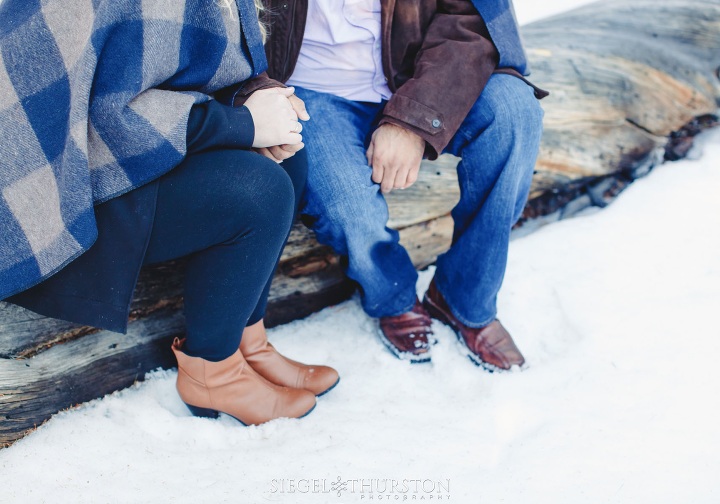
point(437, 58)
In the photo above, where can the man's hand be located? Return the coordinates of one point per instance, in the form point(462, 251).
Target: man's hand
point(395, 155)
point(299, 107)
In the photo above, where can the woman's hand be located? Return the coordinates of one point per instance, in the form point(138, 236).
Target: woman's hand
point(280, 153)
point(275, 118)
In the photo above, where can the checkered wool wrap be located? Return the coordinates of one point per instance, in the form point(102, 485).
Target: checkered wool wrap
point(499, 17)
point(94, 101)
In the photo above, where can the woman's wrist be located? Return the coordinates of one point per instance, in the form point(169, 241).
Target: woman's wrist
point(213, 125)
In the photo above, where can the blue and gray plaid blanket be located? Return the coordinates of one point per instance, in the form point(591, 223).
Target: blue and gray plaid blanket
point(94, 101)
point(499, 17)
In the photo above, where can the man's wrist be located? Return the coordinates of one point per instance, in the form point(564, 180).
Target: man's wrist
point(429, 150)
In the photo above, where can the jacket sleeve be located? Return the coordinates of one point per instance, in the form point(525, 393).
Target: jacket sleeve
point(452, 67)
point(237, 95)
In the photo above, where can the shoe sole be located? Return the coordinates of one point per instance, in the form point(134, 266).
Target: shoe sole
point(211, 413)
point(406, 356)
point(436, 313)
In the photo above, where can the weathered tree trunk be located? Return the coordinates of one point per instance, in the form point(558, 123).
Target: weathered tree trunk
point(626, 80)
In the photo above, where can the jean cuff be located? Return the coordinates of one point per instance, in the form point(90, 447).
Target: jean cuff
point(465, 321)
point(383, 305)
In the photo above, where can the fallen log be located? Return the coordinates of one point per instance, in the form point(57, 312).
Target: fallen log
point(630, 85)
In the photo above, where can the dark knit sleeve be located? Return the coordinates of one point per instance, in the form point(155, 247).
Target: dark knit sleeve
point(212, 125)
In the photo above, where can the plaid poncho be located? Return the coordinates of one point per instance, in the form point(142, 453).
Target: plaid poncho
point(94, 101)
point(499, 17)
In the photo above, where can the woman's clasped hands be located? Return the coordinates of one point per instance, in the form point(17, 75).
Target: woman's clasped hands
point(277, 113)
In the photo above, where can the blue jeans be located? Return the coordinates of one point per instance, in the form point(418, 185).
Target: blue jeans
point(498, 143)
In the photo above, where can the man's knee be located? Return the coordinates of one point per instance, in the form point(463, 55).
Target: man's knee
point(514, 106)
point(358, 213)
point(507, 112)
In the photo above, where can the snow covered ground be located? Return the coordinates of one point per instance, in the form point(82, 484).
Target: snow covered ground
point(615, 310)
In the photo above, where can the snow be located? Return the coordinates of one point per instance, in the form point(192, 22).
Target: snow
point(615, 310)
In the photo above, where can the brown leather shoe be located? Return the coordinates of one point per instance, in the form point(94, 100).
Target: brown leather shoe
point(408, 335)
point(280, 370)
point(490, 347)
point(231, 386)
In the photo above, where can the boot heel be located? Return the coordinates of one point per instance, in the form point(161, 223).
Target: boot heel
point(202, 412)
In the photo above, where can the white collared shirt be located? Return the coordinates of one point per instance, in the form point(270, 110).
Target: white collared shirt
point(341, 52)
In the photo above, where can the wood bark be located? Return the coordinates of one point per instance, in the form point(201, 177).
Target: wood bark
point(630, 82)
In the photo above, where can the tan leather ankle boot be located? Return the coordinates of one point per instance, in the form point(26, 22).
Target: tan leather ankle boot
point(231, 386)
point(280, 370)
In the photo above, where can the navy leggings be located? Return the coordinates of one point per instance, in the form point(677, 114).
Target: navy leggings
point(230, 211)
